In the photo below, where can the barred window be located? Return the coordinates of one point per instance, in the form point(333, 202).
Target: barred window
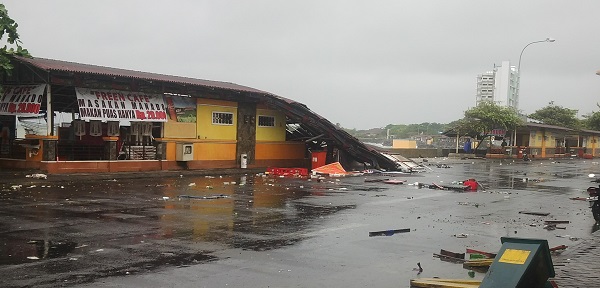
point(222, 118)
point(266, 121)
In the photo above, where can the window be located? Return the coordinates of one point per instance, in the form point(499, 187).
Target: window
point(222, 118)
point(266, 121)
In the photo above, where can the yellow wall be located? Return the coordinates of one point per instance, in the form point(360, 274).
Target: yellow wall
point(206, 150)
point(279, 150)
point(276, 133)
point(404, 143)
point(180, 130)
point(550, 140)
point(207, 130)
point(536, 138)
point(215, 151)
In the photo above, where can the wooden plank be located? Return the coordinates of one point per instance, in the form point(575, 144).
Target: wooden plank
point(478, 263)
point(450, 258)
point(394, 181)
point(487, 254)
point(556, 222)
point(452, 254)
point(388, 232)
point(534, 213)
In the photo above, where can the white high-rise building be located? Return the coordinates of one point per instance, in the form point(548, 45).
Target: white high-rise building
point(500, 85)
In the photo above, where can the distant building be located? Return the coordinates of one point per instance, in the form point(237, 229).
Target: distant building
point(499, 85)
point(404, 143)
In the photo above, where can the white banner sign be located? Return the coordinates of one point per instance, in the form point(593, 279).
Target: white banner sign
point(99, 104)
point(22, 100)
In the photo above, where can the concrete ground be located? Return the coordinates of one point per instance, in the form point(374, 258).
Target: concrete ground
point(215, 229)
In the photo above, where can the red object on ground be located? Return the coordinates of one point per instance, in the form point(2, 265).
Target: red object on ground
point(472, 184)
point(287, 171)
point(333, 168)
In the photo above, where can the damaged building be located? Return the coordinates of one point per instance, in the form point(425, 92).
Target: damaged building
point(87, 118)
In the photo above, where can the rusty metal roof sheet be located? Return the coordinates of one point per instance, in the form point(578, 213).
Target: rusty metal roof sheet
point(65, 66)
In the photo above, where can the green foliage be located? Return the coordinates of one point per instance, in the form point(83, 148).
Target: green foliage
point(465, 127)
point(402, 131)
point(592, 121)
point(488, 115)
point(8, 27)
point(557, 115)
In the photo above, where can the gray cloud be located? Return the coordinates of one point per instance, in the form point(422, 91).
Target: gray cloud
point(362, 64)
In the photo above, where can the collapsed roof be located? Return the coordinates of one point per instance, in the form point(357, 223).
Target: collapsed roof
point(303, 124)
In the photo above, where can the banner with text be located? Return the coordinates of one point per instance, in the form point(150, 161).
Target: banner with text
point(22, 100)
point(100, 104)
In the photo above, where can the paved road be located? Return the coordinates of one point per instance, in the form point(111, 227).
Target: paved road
point(192, 230)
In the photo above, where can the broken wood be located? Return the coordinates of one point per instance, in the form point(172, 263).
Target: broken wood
point(554, 222)
point(486, 254)
point(394, 181)
point(478, 262)
point(388, 232)
point(452, 254)
point(559, 247)
point(450, 258)
point(534, 213)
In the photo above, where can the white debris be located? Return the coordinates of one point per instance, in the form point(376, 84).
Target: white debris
point(32, 258)
point(37, 176)
point(192, 184)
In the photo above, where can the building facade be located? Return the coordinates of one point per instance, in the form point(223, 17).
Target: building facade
point(102, 119)
point(499, 85)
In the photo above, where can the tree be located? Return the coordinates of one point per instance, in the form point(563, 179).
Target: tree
point(8, 27)
point(592, 121)
point(488, 115)
point(557, 115)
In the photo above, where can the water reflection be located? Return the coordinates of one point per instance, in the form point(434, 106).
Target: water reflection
point(251, 212)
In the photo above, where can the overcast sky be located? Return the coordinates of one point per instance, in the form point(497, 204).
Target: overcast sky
point(362, 64)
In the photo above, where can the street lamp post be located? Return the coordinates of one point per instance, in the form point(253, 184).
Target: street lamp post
point(519, 66)
point(519, 71)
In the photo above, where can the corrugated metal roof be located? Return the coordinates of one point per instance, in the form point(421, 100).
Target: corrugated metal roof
point(57, 65)
point(540, 125)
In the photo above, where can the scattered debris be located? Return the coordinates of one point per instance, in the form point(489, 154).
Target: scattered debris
point(534, 213)
point(394, 181)
point(461, 235)
point(478, 263)
point(203, 197)
point(420, 269)
point(549, 222)
point(388, 232)
point(476, 205)
point(450, 256)
point(559, 248)
point(568, 236)
point(579, 198)
point(486, 254)
point(37, 176)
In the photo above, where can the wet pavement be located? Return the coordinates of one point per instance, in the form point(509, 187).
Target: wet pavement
point(185, 229)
